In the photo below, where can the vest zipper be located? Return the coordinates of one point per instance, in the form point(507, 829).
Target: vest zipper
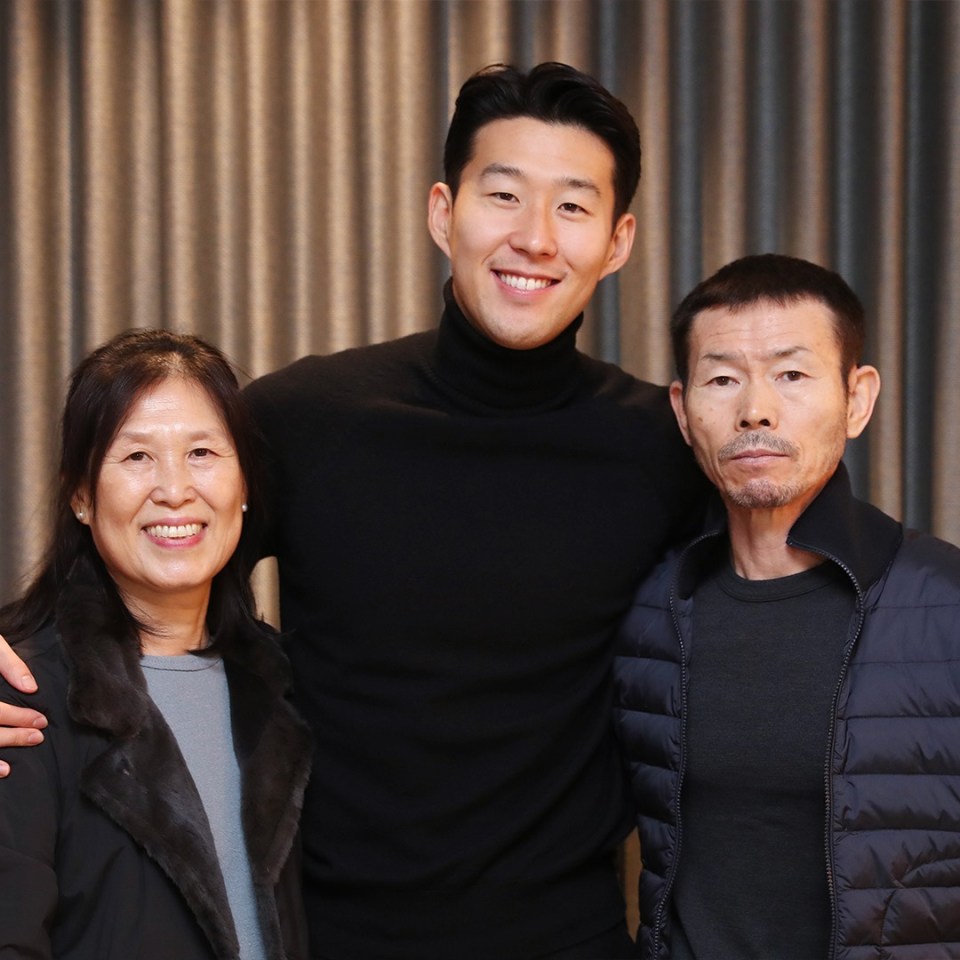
point(831, 740)
point(668, 882)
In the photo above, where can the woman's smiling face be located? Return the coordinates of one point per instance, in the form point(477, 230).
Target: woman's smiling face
point(168, 513)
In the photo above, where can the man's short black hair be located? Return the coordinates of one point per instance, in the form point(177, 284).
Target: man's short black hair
point(554, 93)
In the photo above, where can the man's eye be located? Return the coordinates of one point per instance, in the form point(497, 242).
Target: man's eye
point(571, 207)
point(722, 381)
point(794, 375)
point(503, 195)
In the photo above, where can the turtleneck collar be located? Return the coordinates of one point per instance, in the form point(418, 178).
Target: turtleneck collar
point(483, 375)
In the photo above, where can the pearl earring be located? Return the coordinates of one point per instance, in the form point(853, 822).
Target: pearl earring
point(80, 515)
point(243, 507)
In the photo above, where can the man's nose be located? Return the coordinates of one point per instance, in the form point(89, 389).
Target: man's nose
point(535, 234)
point(758, 407)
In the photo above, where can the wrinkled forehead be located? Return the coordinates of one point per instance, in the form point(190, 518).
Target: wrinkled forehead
point(765, 327)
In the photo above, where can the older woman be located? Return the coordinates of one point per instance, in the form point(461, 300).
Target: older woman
point(158, 819)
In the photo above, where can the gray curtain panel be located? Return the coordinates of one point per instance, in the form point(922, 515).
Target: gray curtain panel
point(257, 172)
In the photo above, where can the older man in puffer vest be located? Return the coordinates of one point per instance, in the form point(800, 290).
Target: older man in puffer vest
point(788, 685)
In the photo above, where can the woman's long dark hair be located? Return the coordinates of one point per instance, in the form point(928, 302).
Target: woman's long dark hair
point(103, 389)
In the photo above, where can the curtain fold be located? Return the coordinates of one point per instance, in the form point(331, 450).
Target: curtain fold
point(257, 172)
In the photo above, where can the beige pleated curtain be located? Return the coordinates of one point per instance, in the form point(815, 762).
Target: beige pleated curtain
point(257, 172)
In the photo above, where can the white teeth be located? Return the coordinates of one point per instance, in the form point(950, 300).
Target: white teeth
point(166, 532)
point(523, 283)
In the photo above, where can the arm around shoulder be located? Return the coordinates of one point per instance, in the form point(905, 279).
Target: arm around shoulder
point(28, 838)
point(20, 724)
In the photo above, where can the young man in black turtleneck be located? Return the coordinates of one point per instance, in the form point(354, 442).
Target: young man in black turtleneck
point(461, 519)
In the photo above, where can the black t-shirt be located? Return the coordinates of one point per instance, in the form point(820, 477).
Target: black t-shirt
point(764, 666)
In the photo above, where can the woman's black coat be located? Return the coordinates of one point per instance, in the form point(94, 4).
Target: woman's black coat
point(105, 848)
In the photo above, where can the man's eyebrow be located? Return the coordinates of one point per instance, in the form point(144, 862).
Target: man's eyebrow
point(577, 183)
point(502, 170)
point(720, 356)
point(505, 170)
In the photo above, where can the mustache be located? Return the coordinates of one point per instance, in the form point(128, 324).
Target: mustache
point(756, 440)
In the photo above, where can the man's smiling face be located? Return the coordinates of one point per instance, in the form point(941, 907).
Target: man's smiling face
point(530, 232)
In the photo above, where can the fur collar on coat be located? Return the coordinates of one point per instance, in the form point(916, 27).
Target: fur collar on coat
point(141, 780)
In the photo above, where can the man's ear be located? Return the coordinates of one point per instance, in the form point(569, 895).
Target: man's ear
point(676, 401)
point(439, 211)
point(621, 243)
point(863, 388)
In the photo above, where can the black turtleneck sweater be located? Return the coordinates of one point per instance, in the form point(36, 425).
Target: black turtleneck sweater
point(459, 529)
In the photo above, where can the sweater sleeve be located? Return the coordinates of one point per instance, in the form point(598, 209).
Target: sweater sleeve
point(680, 483)
point(292, 408)
point(262, 402)
point(29, 813)
point(685, 489)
